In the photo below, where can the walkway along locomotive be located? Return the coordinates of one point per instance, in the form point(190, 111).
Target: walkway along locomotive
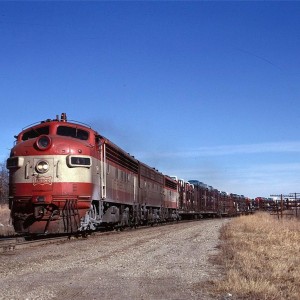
point(65, 177)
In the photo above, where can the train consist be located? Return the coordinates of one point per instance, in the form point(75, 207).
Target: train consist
point(66, 177)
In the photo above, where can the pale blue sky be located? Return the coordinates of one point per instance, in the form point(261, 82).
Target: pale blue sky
point(201, 90)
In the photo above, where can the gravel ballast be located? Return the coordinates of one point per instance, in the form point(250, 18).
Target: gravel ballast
point(160, 262)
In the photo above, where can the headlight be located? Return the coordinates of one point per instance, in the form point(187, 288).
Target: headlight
point(42, 166)
point(43, 142)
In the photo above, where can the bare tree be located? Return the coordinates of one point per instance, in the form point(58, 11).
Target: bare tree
point(3, 183)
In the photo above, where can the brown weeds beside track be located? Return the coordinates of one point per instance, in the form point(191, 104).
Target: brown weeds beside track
point(261, 257)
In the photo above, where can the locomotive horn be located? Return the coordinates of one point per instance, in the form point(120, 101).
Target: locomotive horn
point(63, 117)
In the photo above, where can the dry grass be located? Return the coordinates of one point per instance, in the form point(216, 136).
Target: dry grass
point(261, 257)
point(5, 224)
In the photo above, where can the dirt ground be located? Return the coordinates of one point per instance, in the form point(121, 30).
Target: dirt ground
point(159, 263)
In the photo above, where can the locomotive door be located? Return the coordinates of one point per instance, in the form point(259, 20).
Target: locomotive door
point(97, 178)
point(42, 175)
point(135, 190)
point(103, 168)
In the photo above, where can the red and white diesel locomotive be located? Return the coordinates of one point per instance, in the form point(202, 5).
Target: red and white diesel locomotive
point(66, 177)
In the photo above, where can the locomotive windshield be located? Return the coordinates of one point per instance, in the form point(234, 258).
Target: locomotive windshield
point(35, 132)
point(73, 132)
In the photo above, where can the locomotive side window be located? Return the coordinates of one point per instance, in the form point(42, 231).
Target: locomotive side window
point(73, 132)
point(35, 132)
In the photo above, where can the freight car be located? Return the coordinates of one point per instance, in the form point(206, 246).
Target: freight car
point(64, 177)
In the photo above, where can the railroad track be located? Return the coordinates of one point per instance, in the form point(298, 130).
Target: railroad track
point(10, 244)
point(17, 243)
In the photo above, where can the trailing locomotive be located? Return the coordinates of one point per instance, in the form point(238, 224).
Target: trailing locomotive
point(65, 177)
